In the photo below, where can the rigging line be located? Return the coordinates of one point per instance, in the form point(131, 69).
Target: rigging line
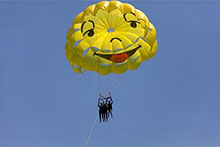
point(104, 83)
point(108, 82)
point(92, 128)
point(116, 85)
point(99, 83)
point(84, 76)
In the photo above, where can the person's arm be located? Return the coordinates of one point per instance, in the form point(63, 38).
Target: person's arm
point(100, 96)
point(109, 98)
point(99, 102)
point(110, 95)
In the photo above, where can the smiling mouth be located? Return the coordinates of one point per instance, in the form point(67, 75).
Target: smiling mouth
point(118, 58)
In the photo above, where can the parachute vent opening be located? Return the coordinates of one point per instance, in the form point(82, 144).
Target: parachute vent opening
point(111, 30)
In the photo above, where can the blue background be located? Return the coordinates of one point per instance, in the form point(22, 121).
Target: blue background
point(173, 99)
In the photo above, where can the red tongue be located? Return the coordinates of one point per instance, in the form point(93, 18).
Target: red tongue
point(119, 57)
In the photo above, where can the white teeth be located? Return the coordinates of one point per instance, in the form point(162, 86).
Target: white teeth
point(134, 59)
point(104, 64)
point(120, 63)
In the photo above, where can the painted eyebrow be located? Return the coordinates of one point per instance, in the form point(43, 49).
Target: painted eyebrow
point(115, 38)
point(127, 13)
point(82, 26)
point(93, 24)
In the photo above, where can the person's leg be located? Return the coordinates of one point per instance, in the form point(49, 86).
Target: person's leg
point(110, 111)
point(103, 116)
point(106, 115)
point(100, 117)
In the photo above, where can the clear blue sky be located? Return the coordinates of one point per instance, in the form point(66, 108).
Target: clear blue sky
point(173, 99)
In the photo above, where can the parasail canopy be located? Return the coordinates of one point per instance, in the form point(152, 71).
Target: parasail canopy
point(110, 37)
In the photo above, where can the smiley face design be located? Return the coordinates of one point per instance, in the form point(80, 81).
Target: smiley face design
point(110, 37)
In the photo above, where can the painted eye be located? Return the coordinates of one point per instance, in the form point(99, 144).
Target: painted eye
point(133, 24)
point(90, 33)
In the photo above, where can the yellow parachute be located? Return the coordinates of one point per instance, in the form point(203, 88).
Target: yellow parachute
point(110, 37)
